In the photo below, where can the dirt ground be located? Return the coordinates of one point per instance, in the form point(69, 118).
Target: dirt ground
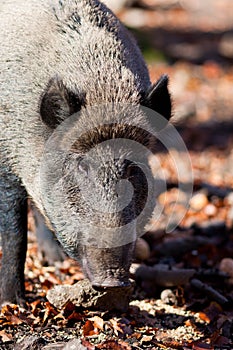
point(183, 294)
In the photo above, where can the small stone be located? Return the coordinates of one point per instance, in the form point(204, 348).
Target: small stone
point(230, 216)
point(30, 342)
point(133, 268)
point(198, 201)
point(142, 249)
point(210, 210)
point(226, 265)
point(75, 344)
point(226, 45)
point(168, 297)
point(229, 198)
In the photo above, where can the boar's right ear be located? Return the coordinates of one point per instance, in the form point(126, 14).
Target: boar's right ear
point(158, 98)
point(58, 103)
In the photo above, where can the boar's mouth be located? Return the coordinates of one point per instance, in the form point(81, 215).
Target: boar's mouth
point(108, 267)
point(108, 280)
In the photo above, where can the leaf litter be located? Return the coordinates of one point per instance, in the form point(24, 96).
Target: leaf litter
point(195, 312)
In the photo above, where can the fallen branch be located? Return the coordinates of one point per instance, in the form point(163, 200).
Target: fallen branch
point(163, 275)
point(209, 291)
point(179, 246)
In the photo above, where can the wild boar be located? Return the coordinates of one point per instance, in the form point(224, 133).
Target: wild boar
point(59, 59)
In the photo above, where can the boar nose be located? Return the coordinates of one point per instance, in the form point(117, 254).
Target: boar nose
point(101, 276)
point(108, 268)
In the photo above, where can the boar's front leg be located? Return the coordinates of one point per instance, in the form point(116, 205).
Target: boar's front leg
point(48, 246)
point(13, 228)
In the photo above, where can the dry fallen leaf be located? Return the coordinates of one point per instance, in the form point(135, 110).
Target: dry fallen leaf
point(49, 312)
point(5, 336)
point(114, 345)
point(116, 327)
point(98, 322)
point(89, 329)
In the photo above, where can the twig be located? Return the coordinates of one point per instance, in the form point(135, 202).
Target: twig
point(163, 275)
point(209, 291)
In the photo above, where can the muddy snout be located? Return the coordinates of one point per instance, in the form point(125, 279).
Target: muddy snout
point(108, 267)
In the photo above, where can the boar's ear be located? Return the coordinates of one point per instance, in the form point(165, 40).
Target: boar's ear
point(158, 98)
point(58, 103)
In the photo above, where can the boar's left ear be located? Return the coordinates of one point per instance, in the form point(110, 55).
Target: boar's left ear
point(158, 97)
point(58, 103)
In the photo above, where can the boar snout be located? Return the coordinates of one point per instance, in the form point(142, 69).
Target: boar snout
point(108, 267)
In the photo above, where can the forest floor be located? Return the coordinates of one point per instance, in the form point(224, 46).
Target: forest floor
point(189, 305)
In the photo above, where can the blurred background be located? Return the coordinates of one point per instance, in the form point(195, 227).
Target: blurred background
point(192, 41)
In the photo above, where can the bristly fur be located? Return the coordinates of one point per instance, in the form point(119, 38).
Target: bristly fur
point(79, 41)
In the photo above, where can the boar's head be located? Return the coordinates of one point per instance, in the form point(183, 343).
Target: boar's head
point(96, 181)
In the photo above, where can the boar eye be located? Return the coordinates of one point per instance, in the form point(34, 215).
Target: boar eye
point(83, 166)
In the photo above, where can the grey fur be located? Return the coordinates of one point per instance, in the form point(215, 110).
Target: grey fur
point(86, 51)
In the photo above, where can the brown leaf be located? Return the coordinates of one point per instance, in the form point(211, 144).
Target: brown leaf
point(147, 338)
point(98, 322)
point(30, 320)
point(14, 320)
point(34, 307)
point(50, 312)
point(204, 317)
point(89, 329)
point(201, 346)
point(189, 323)
point(75, 316)
point(47, 284)
point(116, 327)
point(5, 337)
point(9, 308)
point(50, 280)
point(136, 335)
point(10, 314)
point(69, 308)
point(88, 345)
point(114, 345)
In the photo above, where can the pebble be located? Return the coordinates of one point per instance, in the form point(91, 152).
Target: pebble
point(226, 265)
point(229, 198)
point(142, 249)
point(226, 45)
point(168, 297)
point(210, 210)
point(198, 201)
point(230, 216)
